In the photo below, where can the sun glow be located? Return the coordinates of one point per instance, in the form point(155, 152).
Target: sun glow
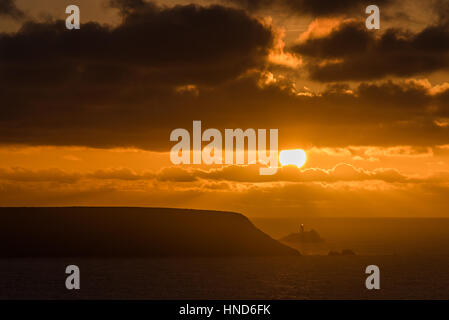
point(295, 157)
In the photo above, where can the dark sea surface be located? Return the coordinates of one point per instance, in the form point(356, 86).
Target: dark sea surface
point(307, 277)
point(412, 254)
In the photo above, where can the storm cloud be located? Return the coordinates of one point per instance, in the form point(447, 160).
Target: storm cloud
point(8, 8)
point(351, 52)
point(163, 67)
point(309, 7)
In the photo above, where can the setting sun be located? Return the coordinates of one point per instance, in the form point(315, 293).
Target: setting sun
point(295, 157)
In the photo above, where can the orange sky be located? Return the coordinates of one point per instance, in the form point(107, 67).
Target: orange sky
point(86, 118)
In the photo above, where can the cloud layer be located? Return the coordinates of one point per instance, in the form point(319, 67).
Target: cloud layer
point(350, 52)
point(8, 8)
point(162, 67)
point(309, 7)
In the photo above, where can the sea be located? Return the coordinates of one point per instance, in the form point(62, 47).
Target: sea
point(412, 256)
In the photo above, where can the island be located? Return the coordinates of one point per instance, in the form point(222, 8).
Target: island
point(303, 236)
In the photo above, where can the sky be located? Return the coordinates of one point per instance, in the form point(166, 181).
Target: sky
point(86, 114)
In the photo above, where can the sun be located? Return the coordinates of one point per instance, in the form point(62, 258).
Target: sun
point(295, 157)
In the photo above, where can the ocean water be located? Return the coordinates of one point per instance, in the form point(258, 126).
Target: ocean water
point(306, 277)
point(412, 254)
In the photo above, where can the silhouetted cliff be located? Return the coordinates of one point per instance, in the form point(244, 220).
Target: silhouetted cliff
point(111, 232)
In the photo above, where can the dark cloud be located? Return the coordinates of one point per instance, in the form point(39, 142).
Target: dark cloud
point(371, 114)
point(9, 8)
point(310, 7)
point(442, 100)
point(441, 9)
point(164, 67)
point(101, 83)
point(350, 52)
point(183, 44)
point(127, 6)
